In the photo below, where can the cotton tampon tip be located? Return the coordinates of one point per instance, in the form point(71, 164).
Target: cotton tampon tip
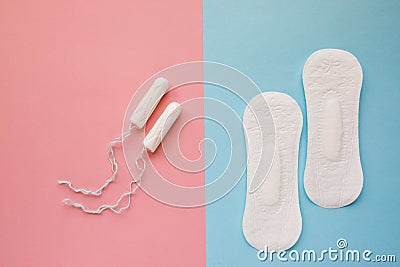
point(162, 126)
point(149, 102)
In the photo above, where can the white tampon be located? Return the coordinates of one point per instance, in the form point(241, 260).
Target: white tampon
point(162, 126)
point(149, 102)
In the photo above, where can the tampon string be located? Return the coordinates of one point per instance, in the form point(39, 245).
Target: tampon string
point(132, 189)
point(114, 167)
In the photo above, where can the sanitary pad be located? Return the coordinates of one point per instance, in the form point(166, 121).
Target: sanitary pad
point(272, 218)
point(332, 81)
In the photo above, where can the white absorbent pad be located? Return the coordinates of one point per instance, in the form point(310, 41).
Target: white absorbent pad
point(332, 81)
point(272, 216)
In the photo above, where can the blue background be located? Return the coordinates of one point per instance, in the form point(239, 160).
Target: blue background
point(270, 41)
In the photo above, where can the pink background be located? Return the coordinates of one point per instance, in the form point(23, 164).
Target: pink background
point(67, 72)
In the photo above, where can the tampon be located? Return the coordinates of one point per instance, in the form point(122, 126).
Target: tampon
point(162, 126)
point(149, 102)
